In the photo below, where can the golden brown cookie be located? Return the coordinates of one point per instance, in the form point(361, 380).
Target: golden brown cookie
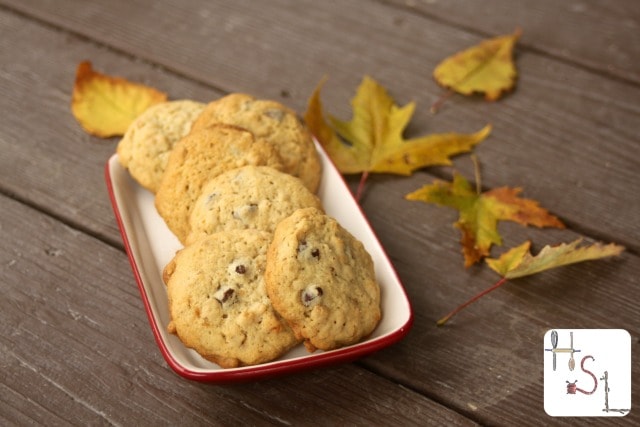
point(321, 280)
point(251, 197)
point(218, 302)
point(144, 149)
point(274, 123)
point(199, 157)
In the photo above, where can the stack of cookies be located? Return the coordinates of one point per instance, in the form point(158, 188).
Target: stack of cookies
point(263, 268)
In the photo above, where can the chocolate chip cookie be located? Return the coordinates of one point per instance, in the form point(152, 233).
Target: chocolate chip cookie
point(251, 197)
point(144, 149)
point(218, 301)
point(199, 157)
point(321, 280)
point(272, 122)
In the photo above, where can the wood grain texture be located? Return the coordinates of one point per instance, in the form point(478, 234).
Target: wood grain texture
point(45, 156)
point(554, 29)
point(562, 115)
point(78, 349)
point(567, 135)
point(484, 362)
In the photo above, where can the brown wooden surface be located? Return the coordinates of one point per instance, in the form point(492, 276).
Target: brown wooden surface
point(76, 347)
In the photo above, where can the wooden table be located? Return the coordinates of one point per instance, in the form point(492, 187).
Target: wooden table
point(76, 346)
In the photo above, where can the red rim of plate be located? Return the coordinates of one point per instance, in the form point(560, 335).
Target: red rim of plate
point(313, 360)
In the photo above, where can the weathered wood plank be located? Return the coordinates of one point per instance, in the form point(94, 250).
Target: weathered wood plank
point(487, 362)
point(77, 349)
point(45, 157)
point(556, 29)
point(566, 135)
point(562, 135)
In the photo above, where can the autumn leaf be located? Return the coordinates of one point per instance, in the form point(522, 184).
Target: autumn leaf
point(518, 262)
point(479, 213)
point(104, 105)
point(374, 136)
point(485, 68)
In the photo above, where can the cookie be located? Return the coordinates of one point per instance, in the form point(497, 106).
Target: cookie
point(273, 122)
point(199, 157)
point(321, 280)
point(251, 197)
point(218, 301)
point(144, 149)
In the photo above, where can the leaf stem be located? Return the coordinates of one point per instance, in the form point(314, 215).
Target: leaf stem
point(360, 190)
point(476, 171)
point(436, 105)
point(472, 300)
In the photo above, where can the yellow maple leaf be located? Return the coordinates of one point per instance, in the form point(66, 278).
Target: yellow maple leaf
point(518, 262)
point(479, 213)
point(374, 136)
point(485, 68)
point(104, 105)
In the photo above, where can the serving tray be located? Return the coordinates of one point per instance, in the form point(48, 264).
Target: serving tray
point(150, 246)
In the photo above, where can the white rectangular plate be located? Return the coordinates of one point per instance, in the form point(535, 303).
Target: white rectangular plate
point(150, 246)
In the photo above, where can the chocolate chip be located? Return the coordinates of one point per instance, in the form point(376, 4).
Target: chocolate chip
point(311, 295)
point(315, 253)
point(240, 266)
point(227, 295)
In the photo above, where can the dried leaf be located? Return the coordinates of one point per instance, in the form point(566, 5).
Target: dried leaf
point(374, 136)
point(315, 119)
point(104, 105)
point(485, 68)
point(479, 213)
point(519, 262)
